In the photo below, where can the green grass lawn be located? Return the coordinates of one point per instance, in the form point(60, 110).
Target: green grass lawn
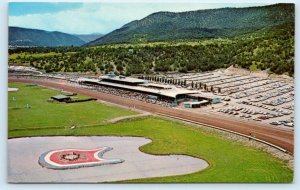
point(43, 114)
point(229, 161)
point(37, 55)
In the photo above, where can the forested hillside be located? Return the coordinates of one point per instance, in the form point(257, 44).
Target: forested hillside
point(268, 48)
point(212, 23)
point(33, 37)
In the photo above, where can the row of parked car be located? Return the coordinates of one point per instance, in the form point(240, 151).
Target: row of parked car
point(279, 111)
point(279, 101)
point(239, 85)
point(248, 113)
point(229, 81)
point(257, 89)
point(278, 92)
point(287, 123)
point(227, 99)
point(289, 107)
point(244, 113)
point(229, 111)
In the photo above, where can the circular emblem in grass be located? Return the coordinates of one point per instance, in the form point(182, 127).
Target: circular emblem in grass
point(75, 158)
point(70, 157)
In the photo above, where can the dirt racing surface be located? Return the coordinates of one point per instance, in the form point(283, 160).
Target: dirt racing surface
point(280, 137)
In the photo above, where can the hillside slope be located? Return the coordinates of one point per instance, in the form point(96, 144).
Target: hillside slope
point(269, 49)
point(33, 37)
point(224, 22)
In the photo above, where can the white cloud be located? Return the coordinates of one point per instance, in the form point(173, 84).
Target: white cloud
point(101, 17)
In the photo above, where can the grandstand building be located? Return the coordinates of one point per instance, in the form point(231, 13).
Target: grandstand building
point(156, 91)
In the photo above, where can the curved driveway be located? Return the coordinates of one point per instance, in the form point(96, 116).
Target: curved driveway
point(23, 155)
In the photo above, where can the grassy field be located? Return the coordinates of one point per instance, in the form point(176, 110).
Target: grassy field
point(43, 114)
point(220, 41)
point(23, 55)
point(229, 161)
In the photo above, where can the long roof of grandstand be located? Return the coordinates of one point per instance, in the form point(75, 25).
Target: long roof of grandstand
point(204, 95)
point(173, 93)
point(124, 79)
point(156, 85)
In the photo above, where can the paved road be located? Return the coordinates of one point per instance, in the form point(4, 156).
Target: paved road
point(23, 155)
point(279, 137)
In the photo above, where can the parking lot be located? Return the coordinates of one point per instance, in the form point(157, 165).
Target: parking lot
point(260, 99)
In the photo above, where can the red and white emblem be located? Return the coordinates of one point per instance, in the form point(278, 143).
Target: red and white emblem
point(75, 158)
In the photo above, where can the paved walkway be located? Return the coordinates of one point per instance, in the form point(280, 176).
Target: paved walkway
point(23, 155)
point(118, 119)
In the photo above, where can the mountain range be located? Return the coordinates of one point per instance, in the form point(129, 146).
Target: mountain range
point(33, 37)
point(211, 23)
point(166, 26)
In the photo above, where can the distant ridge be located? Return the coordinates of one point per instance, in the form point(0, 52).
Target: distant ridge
point(212, 23)
point(33, 37)
point(88, 37)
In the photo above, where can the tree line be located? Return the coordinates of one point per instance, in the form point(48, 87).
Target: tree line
point(265, 49)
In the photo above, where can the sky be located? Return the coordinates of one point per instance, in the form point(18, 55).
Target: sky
point(87, 18)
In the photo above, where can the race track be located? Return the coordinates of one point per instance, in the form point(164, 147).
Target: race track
point(280, 137)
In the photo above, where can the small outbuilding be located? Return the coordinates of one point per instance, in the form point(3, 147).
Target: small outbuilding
point(215, 100)
point(191, 104)
point(195, 104)
point(204, 102)
point(206, 96)
point(61, 98)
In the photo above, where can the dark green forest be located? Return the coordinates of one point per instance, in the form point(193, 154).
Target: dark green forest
point(269, 48)
point(209, 23)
